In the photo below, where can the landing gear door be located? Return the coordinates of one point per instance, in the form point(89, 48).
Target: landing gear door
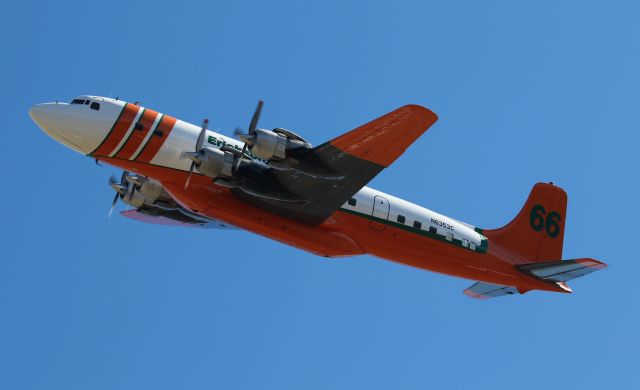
point(380, 213)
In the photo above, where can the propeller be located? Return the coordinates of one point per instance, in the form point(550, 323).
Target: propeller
point(120, 188)
point(249, 139)
point(194, 156)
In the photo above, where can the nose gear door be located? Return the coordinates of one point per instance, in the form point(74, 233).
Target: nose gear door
point(380, 213)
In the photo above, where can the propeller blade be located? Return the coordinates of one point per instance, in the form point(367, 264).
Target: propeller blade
point(244, 149)
point(205, 124)
point(113, 205)
point(238, 134)
point(120, 188)
point(135, 180)
point(255, 118)
point(186, 183)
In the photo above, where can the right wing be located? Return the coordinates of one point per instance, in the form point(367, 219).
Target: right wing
point(310, 187)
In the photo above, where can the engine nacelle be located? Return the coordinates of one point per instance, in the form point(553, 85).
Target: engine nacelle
point(215, 163)
point(145, 193)
point(276, 144)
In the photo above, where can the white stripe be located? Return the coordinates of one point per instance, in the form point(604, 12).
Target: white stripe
point(146, 138)
point(126, 135)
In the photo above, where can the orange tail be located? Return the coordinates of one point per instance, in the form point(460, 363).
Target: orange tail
point(538, 230)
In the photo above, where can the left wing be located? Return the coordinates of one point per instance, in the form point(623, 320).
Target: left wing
point(312, 186)
point(173, 218)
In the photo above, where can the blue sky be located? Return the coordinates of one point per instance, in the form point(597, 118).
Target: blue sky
point(525, 92)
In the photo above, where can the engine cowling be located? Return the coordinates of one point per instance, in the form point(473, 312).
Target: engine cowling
point(276, 144)
point(142, 191)
point(215, 162)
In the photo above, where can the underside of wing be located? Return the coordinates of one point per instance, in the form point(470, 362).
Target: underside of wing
point(312, 186)
point(481, 290)
point(173, 218)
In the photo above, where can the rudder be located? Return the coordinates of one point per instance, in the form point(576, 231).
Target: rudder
point(537, 232)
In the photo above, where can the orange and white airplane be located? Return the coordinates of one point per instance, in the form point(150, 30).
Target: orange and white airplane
point(276, 184)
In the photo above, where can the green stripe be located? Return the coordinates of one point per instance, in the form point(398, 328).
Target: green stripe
point(132, 131)
point(153, 129)
point(110, 131)
point(484, 242)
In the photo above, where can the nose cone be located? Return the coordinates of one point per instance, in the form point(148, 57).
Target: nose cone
point(81, 127)
point(45, 116)
point(56, 120)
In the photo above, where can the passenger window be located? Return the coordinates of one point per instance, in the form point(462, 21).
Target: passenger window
point(433, 230)
point(95, 106)
point(417, 224)
point(352, 202)
point(77, 101)
point(401, 218)
point(138, 126)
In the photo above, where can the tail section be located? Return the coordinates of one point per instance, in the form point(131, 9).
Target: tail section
point(537, 232)
point(558, 272)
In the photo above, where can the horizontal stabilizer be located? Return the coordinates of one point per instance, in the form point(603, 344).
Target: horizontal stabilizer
point(483, 290)
point(562, 271)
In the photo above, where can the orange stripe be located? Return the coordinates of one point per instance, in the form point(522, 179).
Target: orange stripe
point(138, 134)
point(118, 130)
point(157, 139)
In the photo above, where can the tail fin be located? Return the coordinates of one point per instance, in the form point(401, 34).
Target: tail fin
point(537, 231)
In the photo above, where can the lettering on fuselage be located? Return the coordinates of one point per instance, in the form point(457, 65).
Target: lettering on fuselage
point(441, 224)
point(221, 143)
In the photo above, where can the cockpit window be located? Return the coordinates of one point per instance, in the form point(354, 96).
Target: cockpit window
point(77, 101)
point(87, 102)
point(95, 106)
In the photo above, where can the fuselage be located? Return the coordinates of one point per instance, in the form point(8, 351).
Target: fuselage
point(152, 144)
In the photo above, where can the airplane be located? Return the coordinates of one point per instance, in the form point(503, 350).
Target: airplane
point(276, 184)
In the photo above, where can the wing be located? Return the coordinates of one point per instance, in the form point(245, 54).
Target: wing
point(483, 290)
point(312, 186)
point(173, 218)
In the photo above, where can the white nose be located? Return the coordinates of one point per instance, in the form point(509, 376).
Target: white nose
point(56, 120)
point(78, 126)
point(46, 116)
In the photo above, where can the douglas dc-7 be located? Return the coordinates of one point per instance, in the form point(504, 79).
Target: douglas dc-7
point(276, 184)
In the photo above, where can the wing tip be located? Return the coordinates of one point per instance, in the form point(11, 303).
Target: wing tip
point(416, 109)
point(383, 140)
point(471, 294)
point(593, 263)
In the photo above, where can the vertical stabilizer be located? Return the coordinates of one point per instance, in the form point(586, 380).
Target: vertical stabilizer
point(537, 231)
